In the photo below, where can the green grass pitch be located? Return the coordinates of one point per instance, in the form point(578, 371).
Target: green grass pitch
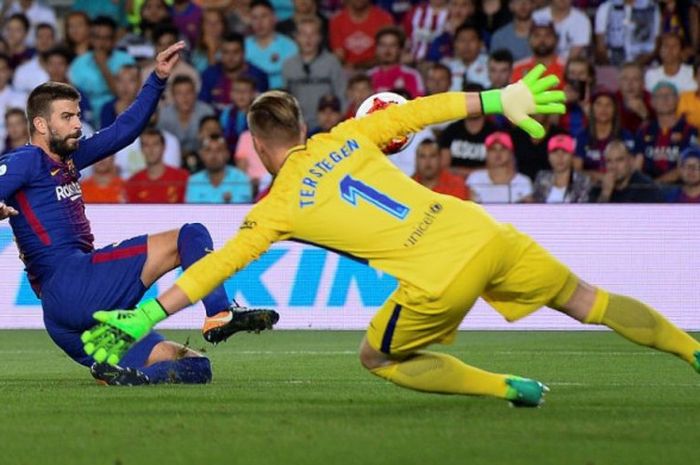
point(301, 397)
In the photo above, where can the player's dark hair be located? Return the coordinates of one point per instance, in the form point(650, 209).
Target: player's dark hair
point(154, 131)
point(263, 3)
point(469, 26)
point(391, 31)
point(21, 18)
point(235, 38)
point(502, 55)
point(104, 21)
point(41, 98)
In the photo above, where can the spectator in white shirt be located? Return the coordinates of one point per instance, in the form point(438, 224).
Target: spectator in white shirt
point(470, 63)
point(35, 12)
point(672, 69)
point(626, 30)
point(32, 73)
point(499, 182)
point(572, 25)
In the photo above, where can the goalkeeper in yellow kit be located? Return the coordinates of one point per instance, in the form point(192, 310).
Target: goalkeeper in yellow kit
point(337, 190)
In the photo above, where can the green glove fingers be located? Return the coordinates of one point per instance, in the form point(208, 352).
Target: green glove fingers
point(550, 108)
point(552, 96)
point(531, 78)
point(544, 84)
point(532, 127)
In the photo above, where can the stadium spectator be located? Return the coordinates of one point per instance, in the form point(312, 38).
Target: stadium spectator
point(248, 161)
point(458, 13)
point(352, 32)
point(9, 97)
point(303, 10)
point(677, 19)
point(209, 127)
point(572, 25)
point(233, 119)
point(164, 36)
point(500, 182)
point(462, 142)
point(603, 127)
point(183, 115)
point(689, 190)
point(130, 159)
point(358, 90)
point(207, 51)
point(104, 185)
point(93, 72)
point(32, 73)
point(328, 114)
point(469, 64)
point(562, 183)
point(76, 27)
point(127, 85)
point(389, 72)
point(35, 11)
point(267, 49)
point(626, 30)
point(187, 17)
point(531, 154)
point(431, 174)
point(314, 71)
point(56, 63)
point(17, 129)
point(634, 102)
point(622, 182)
point(114, 9)
point(494, 15)
point(543, 42)
point(659, 142)
point(423, 24)
point(140, 41)
point(672, 69)
point(514, 35)
point(330, 8)
point(689, 102)
point(438, 80)
point(218, 79)
point(500, 68)
point(15, 32)
point(158, 182)
point(238, 16)
point(579, 81)
point(218, 182)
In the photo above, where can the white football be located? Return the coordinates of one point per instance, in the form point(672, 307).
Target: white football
point(380, 101)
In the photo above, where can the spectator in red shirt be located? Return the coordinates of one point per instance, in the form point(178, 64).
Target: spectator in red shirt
point(158, 182)
point(543, 42)
point(634, 103)
point(352, 32)
point(431, 174)
point(105, 185)
point(389, 72)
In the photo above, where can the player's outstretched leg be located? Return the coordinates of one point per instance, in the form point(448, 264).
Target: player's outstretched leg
point(442, 373)
point(632, 319)
point(223, 318)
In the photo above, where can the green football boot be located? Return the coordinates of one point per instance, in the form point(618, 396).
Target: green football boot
point(523, 392)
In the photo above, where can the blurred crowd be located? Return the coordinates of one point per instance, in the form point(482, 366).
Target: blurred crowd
point(630, 70)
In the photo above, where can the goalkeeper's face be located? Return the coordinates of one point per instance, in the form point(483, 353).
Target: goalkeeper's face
point(64, 127)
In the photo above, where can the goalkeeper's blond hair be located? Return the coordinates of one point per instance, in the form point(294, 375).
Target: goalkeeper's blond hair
point(275, 116)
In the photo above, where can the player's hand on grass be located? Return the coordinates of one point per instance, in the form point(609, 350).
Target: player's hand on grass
point(6, 211)
point(167, 59)
point(528, 96)
point(119, 330)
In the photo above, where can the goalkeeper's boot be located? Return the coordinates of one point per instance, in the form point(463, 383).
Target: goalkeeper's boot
point(523, 392)
point(225, 324)
point(696, 362)
point(114, 375)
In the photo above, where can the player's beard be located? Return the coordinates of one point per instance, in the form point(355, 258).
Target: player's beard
point(62, 146)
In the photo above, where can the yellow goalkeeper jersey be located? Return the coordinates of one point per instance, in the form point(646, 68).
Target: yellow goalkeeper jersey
point(340, 192)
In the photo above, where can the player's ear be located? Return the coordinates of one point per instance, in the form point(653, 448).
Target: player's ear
point(40, 124)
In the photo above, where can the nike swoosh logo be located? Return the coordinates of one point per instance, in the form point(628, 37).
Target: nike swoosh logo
point(221, 319)
point(208, 250)
point(55, 172)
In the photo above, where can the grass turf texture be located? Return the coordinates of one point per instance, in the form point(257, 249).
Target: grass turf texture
point(291, 397)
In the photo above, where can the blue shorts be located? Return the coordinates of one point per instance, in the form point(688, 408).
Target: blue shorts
point(106, 279)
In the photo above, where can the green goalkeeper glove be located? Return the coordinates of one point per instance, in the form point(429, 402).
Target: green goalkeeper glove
point(528, 96)
point(119, 330)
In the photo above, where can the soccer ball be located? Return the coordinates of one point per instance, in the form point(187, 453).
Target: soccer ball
point(380, 101)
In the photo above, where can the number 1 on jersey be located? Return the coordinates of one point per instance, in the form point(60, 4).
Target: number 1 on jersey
point(351, 188)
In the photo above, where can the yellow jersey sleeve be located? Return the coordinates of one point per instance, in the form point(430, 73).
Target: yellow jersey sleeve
point(267, 222)
point(398, 120)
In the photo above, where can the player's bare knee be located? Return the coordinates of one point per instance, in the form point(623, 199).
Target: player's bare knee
point(168, 351)
point(370, 357)
point(581, 302)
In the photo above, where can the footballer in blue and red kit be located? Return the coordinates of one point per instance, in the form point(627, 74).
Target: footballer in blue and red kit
point(661, 148)
point(72, 278)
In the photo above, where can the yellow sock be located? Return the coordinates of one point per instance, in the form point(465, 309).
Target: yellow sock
point(442, 373)
point(642, 324)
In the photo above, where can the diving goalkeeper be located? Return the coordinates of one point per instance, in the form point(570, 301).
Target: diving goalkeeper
point(338, 191)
